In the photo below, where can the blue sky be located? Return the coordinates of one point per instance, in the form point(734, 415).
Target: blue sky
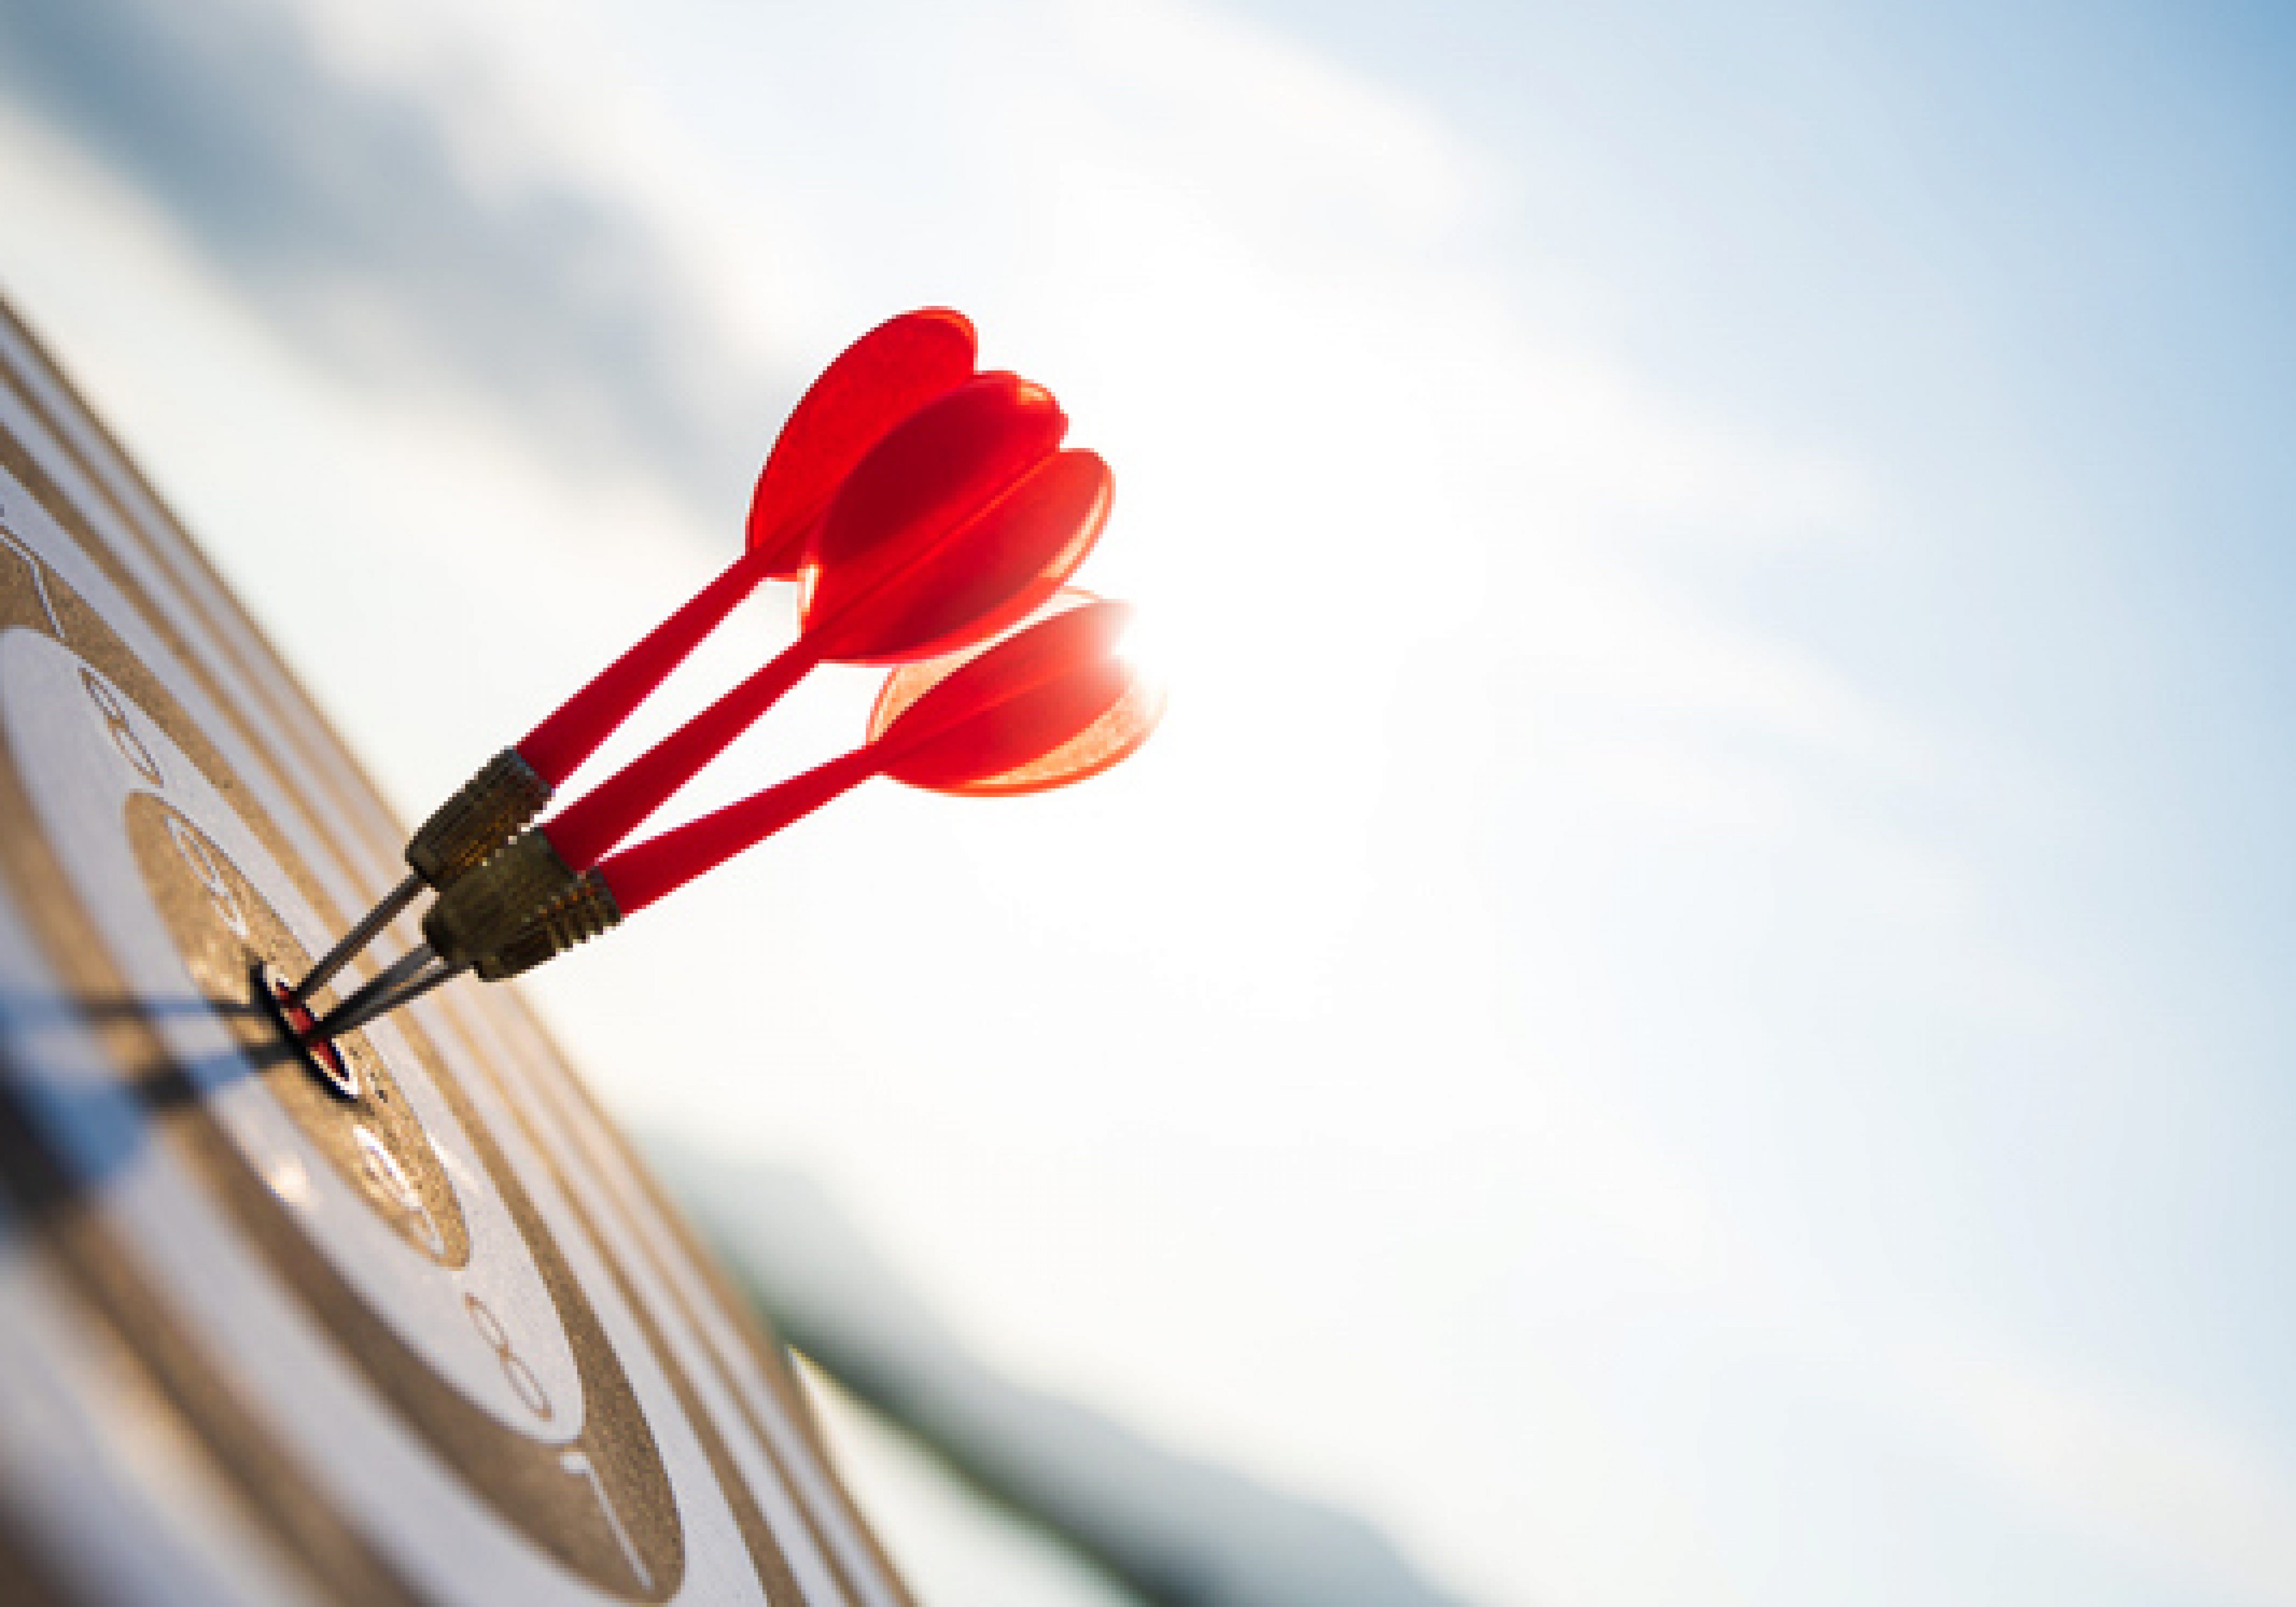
point(1691, 1003)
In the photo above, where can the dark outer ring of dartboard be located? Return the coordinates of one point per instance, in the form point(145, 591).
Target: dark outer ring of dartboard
point(329, 1546)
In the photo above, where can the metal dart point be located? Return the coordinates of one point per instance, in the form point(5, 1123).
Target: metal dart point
point(401, 982)
point(439, 971)
point(462, 834)
point(354, 942)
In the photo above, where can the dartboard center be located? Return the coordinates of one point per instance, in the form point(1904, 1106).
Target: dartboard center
point(295, 1021)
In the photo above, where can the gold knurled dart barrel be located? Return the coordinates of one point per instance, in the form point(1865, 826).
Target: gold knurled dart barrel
point(462, 834)
point(586, 912)
point(479, 912)
point(469, 829)
point(502, 920)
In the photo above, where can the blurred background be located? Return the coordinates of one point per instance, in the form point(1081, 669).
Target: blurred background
point(1692, 1003)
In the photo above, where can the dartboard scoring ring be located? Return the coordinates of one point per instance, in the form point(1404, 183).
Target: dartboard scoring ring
point(424, 1331)
point(336, 1194)
point(321, 1057)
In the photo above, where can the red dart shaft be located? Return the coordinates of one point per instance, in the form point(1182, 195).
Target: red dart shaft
point(557, 747)
point(1015, 703)
point(872, 387)
point(586, 830)
point(914, 541)
point(638, 876)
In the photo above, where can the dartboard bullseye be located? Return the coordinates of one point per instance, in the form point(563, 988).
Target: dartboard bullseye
point(402, 1320)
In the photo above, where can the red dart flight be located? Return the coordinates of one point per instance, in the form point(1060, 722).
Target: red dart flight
point(1050, 704)
point(961, 520)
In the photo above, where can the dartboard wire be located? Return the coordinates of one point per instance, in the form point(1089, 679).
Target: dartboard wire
point(785, 1432)
point(28, 555)
point(200, 590)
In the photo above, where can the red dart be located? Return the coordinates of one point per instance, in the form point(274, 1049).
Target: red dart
point(1050, 704)
point(961, 515)
point(1107, 741)
point(956, 524)
point(873, 384)
point(881, 379)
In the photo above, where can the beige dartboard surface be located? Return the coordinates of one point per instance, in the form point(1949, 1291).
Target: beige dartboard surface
point(442, 1341)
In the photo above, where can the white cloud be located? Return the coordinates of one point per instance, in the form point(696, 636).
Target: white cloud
point(2139, 1476)
point(1248, 113)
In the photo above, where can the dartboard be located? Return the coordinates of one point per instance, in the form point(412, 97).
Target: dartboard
point(413, 1326)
